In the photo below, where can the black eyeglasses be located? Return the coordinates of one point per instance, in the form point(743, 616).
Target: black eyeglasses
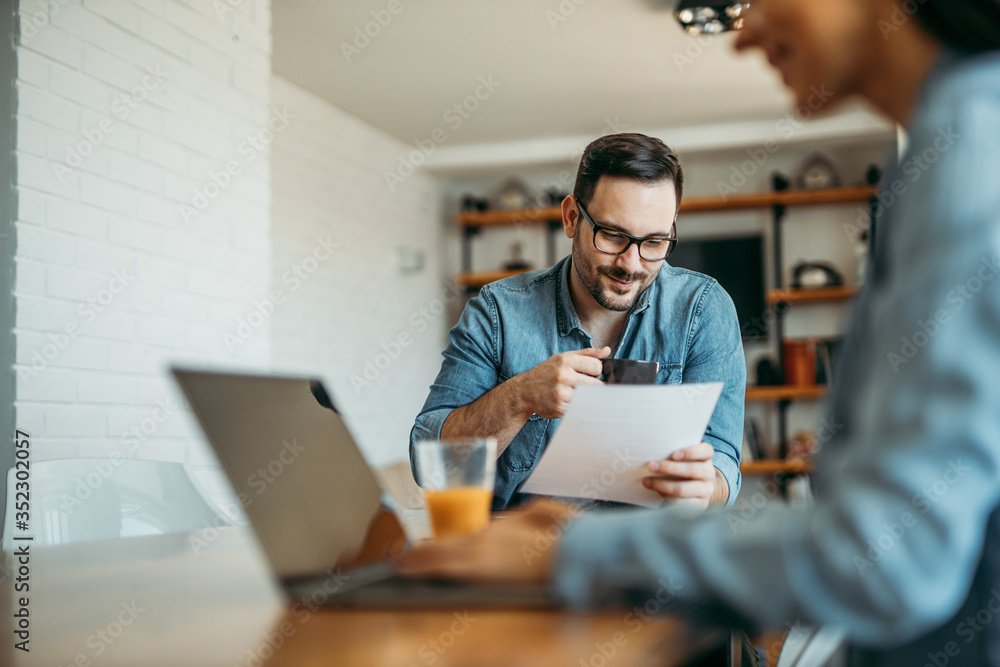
point(613, 242)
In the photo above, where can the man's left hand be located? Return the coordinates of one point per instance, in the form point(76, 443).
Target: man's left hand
point(688, 476)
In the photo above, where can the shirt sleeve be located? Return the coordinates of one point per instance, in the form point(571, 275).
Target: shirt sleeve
point(715, 354)
point(889, 551)
point(469, 370)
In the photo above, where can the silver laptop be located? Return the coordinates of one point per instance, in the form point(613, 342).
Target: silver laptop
point(309, 493)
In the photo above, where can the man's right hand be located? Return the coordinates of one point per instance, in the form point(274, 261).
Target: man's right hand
point(547, 389)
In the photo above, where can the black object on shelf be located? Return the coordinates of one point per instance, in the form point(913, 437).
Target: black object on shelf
point(752, 437)
point(827, 354)
point(874, 176)
point(472, 204)
point(768, 374)
point(516, 261)
point(554, 197)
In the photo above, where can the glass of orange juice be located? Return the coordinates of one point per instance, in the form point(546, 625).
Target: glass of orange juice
point(457, 478)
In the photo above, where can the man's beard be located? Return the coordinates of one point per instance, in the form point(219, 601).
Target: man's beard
point(608, 298)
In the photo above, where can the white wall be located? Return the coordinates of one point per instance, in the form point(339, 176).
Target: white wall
point(126, 109)
point(148, 150)
point(374, 330)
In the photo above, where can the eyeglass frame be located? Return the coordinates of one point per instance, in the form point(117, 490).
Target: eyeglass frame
point(638, 241)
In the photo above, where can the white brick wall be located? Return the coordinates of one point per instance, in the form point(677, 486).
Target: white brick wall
point(125, 110)
point(151, 139)
point(328, 180)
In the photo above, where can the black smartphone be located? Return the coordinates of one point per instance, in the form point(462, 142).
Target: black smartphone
point(630, 371)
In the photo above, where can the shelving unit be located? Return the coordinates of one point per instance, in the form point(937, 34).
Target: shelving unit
point(472, 223)
point(477, 280)
point(772, 467)
point(817, 295)
point(781, 298)
point(785, 393)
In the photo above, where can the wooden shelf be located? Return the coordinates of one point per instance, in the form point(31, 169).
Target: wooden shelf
point(500, 218)
point(747, 202)
point(772, 466)
point(814, 295)
point(480, 279)
point(844, 195)
point(786, 393)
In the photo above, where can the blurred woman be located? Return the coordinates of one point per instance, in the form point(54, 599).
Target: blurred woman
point(902, 547)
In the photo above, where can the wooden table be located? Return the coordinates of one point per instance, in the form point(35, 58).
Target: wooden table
point(482, 638)
point(172, 600)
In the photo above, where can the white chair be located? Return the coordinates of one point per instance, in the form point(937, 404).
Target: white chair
point(78, 500)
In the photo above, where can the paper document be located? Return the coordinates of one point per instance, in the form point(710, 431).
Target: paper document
point(609, 434)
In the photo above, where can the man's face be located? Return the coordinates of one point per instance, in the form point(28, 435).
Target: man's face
point(823, 50)
point(637, 209)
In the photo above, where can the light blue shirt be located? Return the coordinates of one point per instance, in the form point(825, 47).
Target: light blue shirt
point(684, 320)
point(902, 547)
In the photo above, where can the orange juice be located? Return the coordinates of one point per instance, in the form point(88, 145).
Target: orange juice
point(462, 510)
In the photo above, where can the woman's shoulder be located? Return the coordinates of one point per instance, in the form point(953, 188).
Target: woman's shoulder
point(962, 80)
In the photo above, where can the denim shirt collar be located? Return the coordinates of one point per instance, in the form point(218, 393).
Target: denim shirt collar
point(568, 319)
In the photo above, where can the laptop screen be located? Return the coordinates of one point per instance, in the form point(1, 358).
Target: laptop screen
point(292, 462)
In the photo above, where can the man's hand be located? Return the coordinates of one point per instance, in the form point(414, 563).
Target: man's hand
point(547, 389)
point(688, 475)
point(518, 549)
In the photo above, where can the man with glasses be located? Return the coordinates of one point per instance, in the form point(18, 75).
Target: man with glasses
point(524, 344)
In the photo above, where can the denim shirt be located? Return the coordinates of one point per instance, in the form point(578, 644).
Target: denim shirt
point(902, 546)
point(684, 320)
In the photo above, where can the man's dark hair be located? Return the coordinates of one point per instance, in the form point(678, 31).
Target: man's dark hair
point(968, 26)
point(631, 155)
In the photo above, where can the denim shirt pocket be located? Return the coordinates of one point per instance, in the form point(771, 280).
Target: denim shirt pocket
point(670, 373)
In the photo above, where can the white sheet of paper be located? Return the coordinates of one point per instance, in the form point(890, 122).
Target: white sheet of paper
point(609, 434)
